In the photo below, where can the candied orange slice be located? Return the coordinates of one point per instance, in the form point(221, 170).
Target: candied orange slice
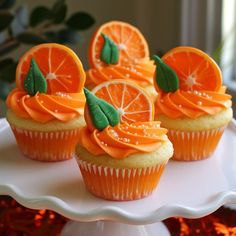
point(130, 41)
point(61, 67)
point(195, 69)
point(130, 100)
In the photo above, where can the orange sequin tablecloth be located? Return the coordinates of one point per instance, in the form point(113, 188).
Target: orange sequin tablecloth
point(16, 220)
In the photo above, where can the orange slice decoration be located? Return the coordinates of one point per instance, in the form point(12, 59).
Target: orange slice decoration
point(59, 64)
point(131, 43)
point(130, 100)
point(195, 69)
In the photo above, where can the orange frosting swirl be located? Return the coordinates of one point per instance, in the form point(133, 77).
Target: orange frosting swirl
point(124, 139)
point(192, 104)
point(44, 107)
point(140, 73)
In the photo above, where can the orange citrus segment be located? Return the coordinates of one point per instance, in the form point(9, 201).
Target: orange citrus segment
point(195, 69)
point(132, 103)
point(131, 43)
point(59, 64)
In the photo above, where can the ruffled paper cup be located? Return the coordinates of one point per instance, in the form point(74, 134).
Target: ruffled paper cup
point(48, 146)
point(120, 184)
point(194, 145)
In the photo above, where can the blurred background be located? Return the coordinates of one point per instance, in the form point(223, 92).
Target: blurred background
point(206, 24)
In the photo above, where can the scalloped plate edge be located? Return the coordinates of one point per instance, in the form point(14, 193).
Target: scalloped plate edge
point(115, 213)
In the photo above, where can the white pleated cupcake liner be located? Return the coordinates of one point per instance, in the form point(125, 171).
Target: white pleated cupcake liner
point(194, 145)
point(120, 183)
point(46, 146)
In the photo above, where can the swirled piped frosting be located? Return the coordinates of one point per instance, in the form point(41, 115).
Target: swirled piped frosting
point(123, 139)
point(46, 107)
point(141, 73)
point(191, 104)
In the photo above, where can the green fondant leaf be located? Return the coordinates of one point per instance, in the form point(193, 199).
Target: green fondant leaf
point(114, 53)
point(29, 82)
point(98, 118)
point(166, 78)
point(102, 113)
point(110, 112)
point(35, 81)
point(106, 50)
point(110, 51)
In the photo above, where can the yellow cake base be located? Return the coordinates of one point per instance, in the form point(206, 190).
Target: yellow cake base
point(137, 160)
point(55, 125)
point(202, 123)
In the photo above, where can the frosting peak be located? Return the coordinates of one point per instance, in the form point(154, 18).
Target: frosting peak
point(192, 104)
point(124, 139)
point(44, 107)
point(140, 73)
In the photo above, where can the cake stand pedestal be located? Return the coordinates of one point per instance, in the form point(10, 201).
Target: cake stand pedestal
point(108, 228)
point(186, 189)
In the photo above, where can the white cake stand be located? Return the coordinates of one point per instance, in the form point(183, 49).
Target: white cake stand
point(189, 190)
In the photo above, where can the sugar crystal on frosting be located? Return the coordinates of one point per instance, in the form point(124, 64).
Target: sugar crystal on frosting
point(65, 95)
point(125, 140)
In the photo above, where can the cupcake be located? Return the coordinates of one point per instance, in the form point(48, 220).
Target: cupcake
point(120, 161)
point(118, 50)
point(45, 110)
point(191, 103)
